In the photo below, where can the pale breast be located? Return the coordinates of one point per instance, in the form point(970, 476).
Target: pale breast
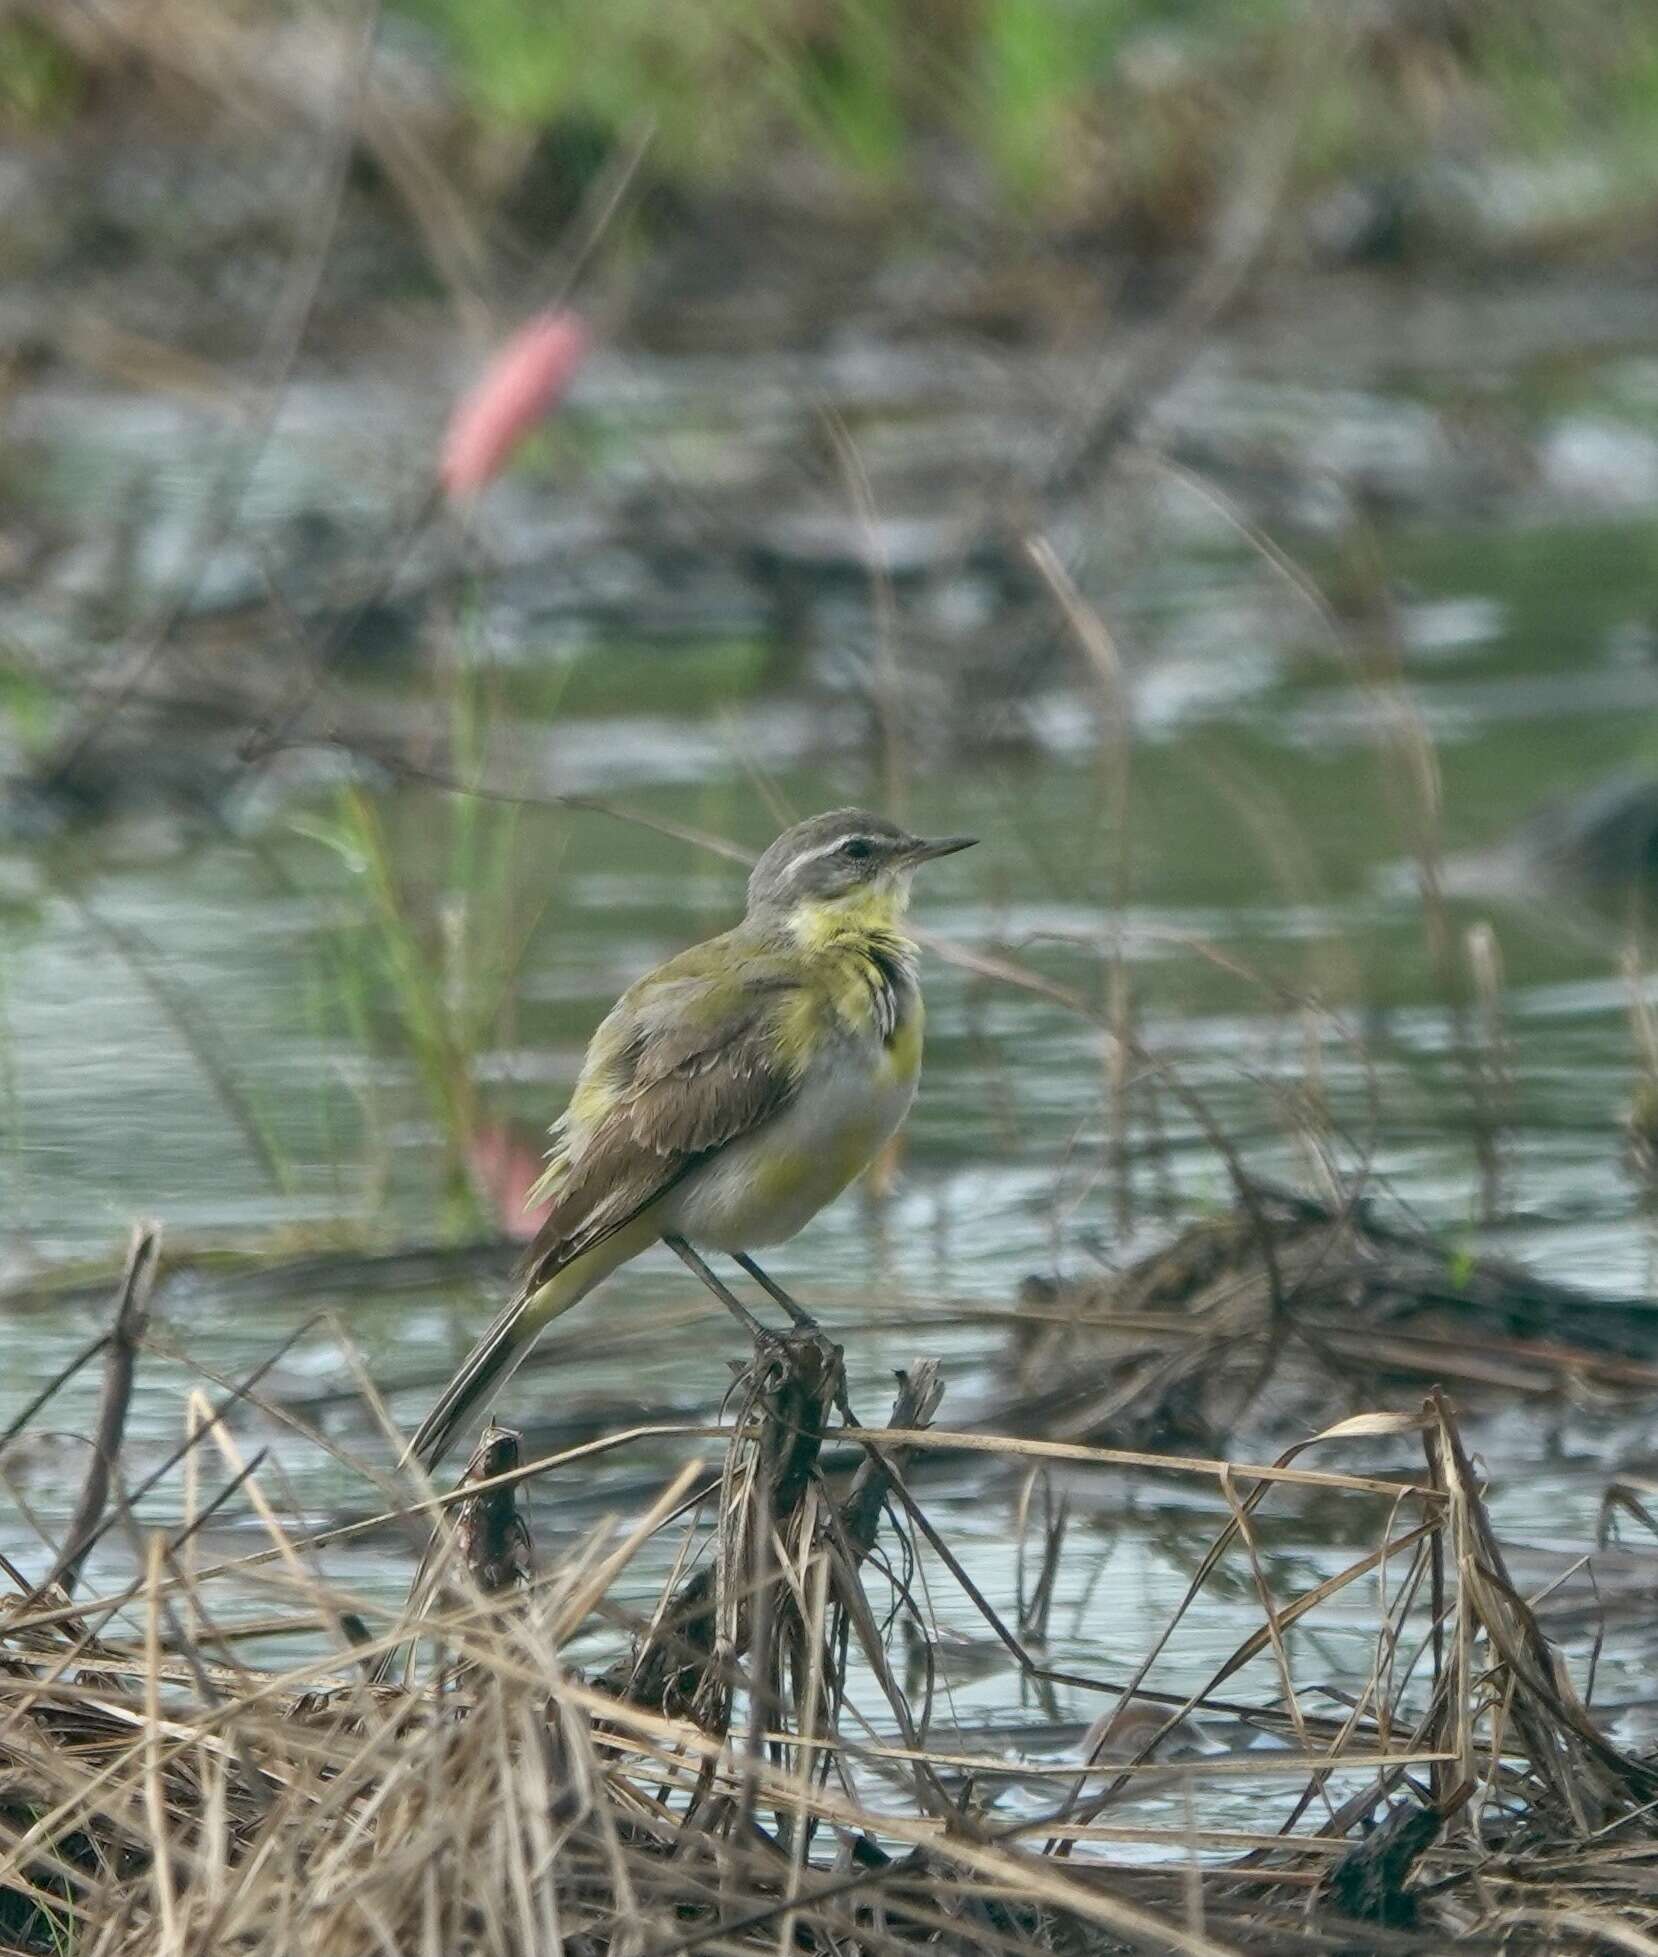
point(765, 1187)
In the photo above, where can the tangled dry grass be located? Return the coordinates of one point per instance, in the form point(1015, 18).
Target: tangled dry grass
point(748, 1771)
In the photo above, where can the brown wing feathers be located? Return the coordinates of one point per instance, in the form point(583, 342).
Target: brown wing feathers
point(675, 1095)
point(665, 1086)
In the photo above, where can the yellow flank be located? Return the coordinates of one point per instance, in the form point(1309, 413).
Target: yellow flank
point(591, 1099)
point(781, 1175)
point(904, 1047)
point(799, 1027)
point(785, 1173)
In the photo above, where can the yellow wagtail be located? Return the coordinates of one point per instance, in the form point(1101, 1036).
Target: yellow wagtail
point(731, 1093)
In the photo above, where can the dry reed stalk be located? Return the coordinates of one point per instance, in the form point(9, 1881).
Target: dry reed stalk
point(688, 1658)
point(155, 1796)
point(1490, 1084)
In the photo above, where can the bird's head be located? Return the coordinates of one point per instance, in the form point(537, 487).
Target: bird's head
point(846, 869)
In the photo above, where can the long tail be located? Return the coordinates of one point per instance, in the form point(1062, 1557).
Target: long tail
point(493, 1359)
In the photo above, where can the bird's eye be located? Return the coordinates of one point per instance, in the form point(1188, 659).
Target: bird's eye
point(857, 847)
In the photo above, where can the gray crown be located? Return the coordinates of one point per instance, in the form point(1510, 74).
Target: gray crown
point(832, 854)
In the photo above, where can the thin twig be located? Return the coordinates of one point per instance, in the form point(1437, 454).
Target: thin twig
point(132, 1311)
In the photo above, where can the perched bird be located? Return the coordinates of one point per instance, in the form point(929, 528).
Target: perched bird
point(731, 1093)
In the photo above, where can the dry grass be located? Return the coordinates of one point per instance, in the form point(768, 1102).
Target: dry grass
point(748, 1771)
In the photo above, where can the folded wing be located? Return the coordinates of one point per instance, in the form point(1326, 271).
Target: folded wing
point(691, 1058)
point(687, 1062)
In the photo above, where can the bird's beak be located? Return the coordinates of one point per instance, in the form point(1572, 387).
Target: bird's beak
point(924, 852)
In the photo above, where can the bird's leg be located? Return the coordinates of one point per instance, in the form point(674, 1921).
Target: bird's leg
point(689, 1258)
point(807, 1327)
point(803, 1319)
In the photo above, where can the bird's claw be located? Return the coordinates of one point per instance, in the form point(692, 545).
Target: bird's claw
point(777, 1354)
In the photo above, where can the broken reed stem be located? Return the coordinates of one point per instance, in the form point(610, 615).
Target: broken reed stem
point(157, 1804)
point(132, 1312)
point(919, 1392)
point(486, 1536)
point(491, 1533)
point(790, 1384)
point(1577, 1776)
point(682, 1663)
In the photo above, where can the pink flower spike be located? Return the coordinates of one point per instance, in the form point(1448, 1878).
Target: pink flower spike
point(523, 382)
point(506, 1160)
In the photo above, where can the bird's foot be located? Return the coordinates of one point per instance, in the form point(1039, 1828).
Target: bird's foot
point(801, 1353)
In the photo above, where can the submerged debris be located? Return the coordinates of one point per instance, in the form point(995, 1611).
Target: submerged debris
point(1261, 1321)
point(1604, 843)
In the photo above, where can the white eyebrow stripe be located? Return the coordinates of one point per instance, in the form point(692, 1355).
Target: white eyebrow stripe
point(828, 849)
